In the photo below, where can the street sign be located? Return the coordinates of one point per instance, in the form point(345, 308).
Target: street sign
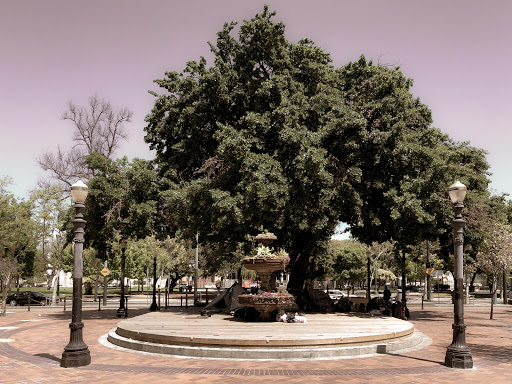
point(105, 271)
point(429, 271)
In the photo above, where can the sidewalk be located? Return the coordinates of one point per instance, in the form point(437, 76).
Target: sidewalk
point(38, 338)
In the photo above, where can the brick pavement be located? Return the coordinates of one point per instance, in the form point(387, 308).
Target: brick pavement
point(38, 341)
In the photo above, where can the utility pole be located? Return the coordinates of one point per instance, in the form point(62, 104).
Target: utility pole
point(196, 266)
point(105, 283)
point(429, 278)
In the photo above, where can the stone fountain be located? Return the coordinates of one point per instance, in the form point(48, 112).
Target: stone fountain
point(265, 303)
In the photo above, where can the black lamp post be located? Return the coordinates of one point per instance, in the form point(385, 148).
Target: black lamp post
point(154, 306)
point(368, 254)
point(121, 312)
point(76, 353)
point(458, 354)
point(429, 266)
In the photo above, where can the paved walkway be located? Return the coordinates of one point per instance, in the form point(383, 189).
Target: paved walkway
point(39, 336)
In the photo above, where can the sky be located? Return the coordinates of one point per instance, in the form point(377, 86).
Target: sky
point(458, 52)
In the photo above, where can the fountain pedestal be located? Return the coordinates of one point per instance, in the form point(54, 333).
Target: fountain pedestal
point(266, 302)
point(265, 267)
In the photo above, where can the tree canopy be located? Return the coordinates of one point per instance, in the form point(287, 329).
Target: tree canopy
point(17, 239)
point(122, 200)
point(273, 135)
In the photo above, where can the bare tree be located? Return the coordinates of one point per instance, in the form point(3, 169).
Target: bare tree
point(64, 167)
point(97, 128)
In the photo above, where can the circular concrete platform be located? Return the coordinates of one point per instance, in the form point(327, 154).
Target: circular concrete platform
point(324, 336)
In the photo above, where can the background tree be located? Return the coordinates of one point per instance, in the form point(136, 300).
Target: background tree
point(174, 257)
point(122, 200)
point(481, 212)
point(92, 269)
point(496, 254)
point(51, 216)
point(137, 261)
point(9, 269)
point(97, 128)
point(17, 239)
point(178, 259)
point(381, 256)
point(349, 259)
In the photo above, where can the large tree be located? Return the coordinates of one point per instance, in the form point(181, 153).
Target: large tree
point(272, 135)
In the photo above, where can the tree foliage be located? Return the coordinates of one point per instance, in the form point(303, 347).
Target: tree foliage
point(273, 135)
point(17, 239)
point(122, 200)
point(349, 259)
point(53, 220)
point(174, 258)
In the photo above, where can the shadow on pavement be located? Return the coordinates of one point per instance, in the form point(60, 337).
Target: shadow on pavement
point(426, 315)
point(413, 358)
point(97, 315)
point(48, 356)
point(111, 313)
point(501, 354)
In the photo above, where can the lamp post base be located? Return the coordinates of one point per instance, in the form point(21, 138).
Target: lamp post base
point(72, 359)
point(457, 357)
point(121, 312)
point(154, 307)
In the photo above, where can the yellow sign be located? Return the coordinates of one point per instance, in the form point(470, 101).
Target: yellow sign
point(429, 271)
point(105, 271)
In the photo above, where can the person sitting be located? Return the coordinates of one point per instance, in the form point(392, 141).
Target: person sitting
point(387, 294)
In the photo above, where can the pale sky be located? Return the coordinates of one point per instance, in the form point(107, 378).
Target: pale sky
point(458, 52)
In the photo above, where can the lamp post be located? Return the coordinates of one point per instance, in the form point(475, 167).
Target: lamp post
point(121, 312)
point(76, 353)
point(368, 254)
point(154, 306)
point(429, 265)
point(458, 354)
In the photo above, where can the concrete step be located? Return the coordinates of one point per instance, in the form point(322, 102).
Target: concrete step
point(415, 341)
point(182, 332)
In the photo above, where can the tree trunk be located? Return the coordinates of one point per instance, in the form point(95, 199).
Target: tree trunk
point(472, 284)
point(298, 274)
point(404, 282)
point(493, 292)
point(4, 303)
point(5, 284)
point(505, 288)
point(502, 285)
point(96, 286)
point(54, 285)
point(303, 246)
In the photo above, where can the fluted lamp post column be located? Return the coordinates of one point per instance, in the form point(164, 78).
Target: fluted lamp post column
point(121, 312)
point(154, 306)
point(458, 354)
point(76, 353)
